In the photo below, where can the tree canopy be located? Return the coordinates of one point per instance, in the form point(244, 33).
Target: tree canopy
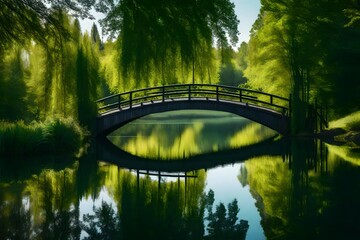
point(308, 49)
point(152, 32)
point(24, 19)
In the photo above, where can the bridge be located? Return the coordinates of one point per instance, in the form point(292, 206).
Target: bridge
point(267, 109)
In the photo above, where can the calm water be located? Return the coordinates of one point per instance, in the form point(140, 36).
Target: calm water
point(199, 175)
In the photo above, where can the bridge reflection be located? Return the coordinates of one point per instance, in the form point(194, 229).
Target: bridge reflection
point(108, 152)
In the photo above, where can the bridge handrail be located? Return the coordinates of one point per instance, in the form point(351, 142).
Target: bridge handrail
point(187, 84)
point(189, 91)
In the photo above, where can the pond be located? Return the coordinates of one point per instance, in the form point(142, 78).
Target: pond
point(185, 175)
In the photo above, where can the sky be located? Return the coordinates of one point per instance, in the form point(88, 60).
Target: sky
point(246, 10)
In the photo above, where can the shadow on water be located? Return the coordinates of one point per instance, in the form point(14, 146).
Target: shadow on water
point(21, 168)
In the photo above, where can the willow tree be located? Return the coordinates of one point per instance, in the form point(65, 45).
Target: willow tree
point(152, 33)
point(63, 74)
point(21, 20)
point(87, 78)
point(53, 71)
point(12, 84)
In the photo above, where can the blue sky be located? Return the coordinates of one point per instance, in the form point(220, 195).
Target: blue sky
point(246, 10)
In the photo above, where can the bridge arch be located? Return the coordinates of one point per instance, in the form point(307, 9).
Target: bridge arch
point(117, 110)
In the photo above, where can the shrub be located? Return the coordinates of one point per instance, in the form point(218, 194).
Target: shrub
point(60, 136)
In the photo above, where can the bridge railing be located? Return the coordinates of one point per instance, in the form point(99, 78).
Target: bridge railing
point(190, 92)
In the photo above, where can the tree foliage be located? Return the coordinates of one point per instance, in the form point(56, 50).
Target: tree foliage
point(304, 48)
point(23, 19)
point(154, 33)
point(57, 77)
point(12, 85)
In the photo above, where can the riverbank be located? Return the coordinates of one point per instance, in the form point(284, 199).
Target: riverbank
point(344, 131)
point(340, 136)
point(341, 132)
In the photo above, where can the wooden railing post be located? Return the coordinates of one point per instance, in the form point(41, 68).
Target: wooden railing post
point(189, 92)
point(217, 93)
point(163, 93)
point(240, 95)
point(271, 99)
point(130, 99)
point(119, 103)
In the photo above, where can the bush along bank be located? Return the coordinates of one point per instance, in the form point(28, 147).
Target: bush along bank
point(54, 136)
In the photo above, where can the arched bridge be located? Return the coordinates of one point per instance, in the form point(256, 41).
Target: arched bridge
point(267, 109)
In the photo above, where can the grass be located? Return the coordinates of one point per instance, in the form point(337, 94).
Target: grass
point(54, 136)
point(348, 123)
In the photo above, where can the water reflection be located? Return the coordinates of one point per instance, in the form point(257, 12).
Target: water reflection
point(312, 197)
point(181, 134)
point(308, 190)
point(110, 153)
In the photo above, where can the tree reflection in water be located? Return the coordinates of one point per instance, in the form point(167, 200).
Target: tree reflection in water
point(186, 133)
point(222, 224)
point(47, 206)
point(105, 224)
point(309, 194)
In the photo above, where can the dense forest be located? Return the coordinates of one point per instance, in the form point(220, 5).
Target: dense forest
point(50, 68)
point(309, 49)
point(55, 69)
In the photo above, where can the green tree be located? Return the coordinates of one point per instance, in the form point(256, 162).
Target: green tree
point(302, 47)
point(267, 69)
point(230, 72)
point(154, 33)
point(87, 81)
point(63, 76)
point(95, 36)
point(12, 83)
point(242, 56)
